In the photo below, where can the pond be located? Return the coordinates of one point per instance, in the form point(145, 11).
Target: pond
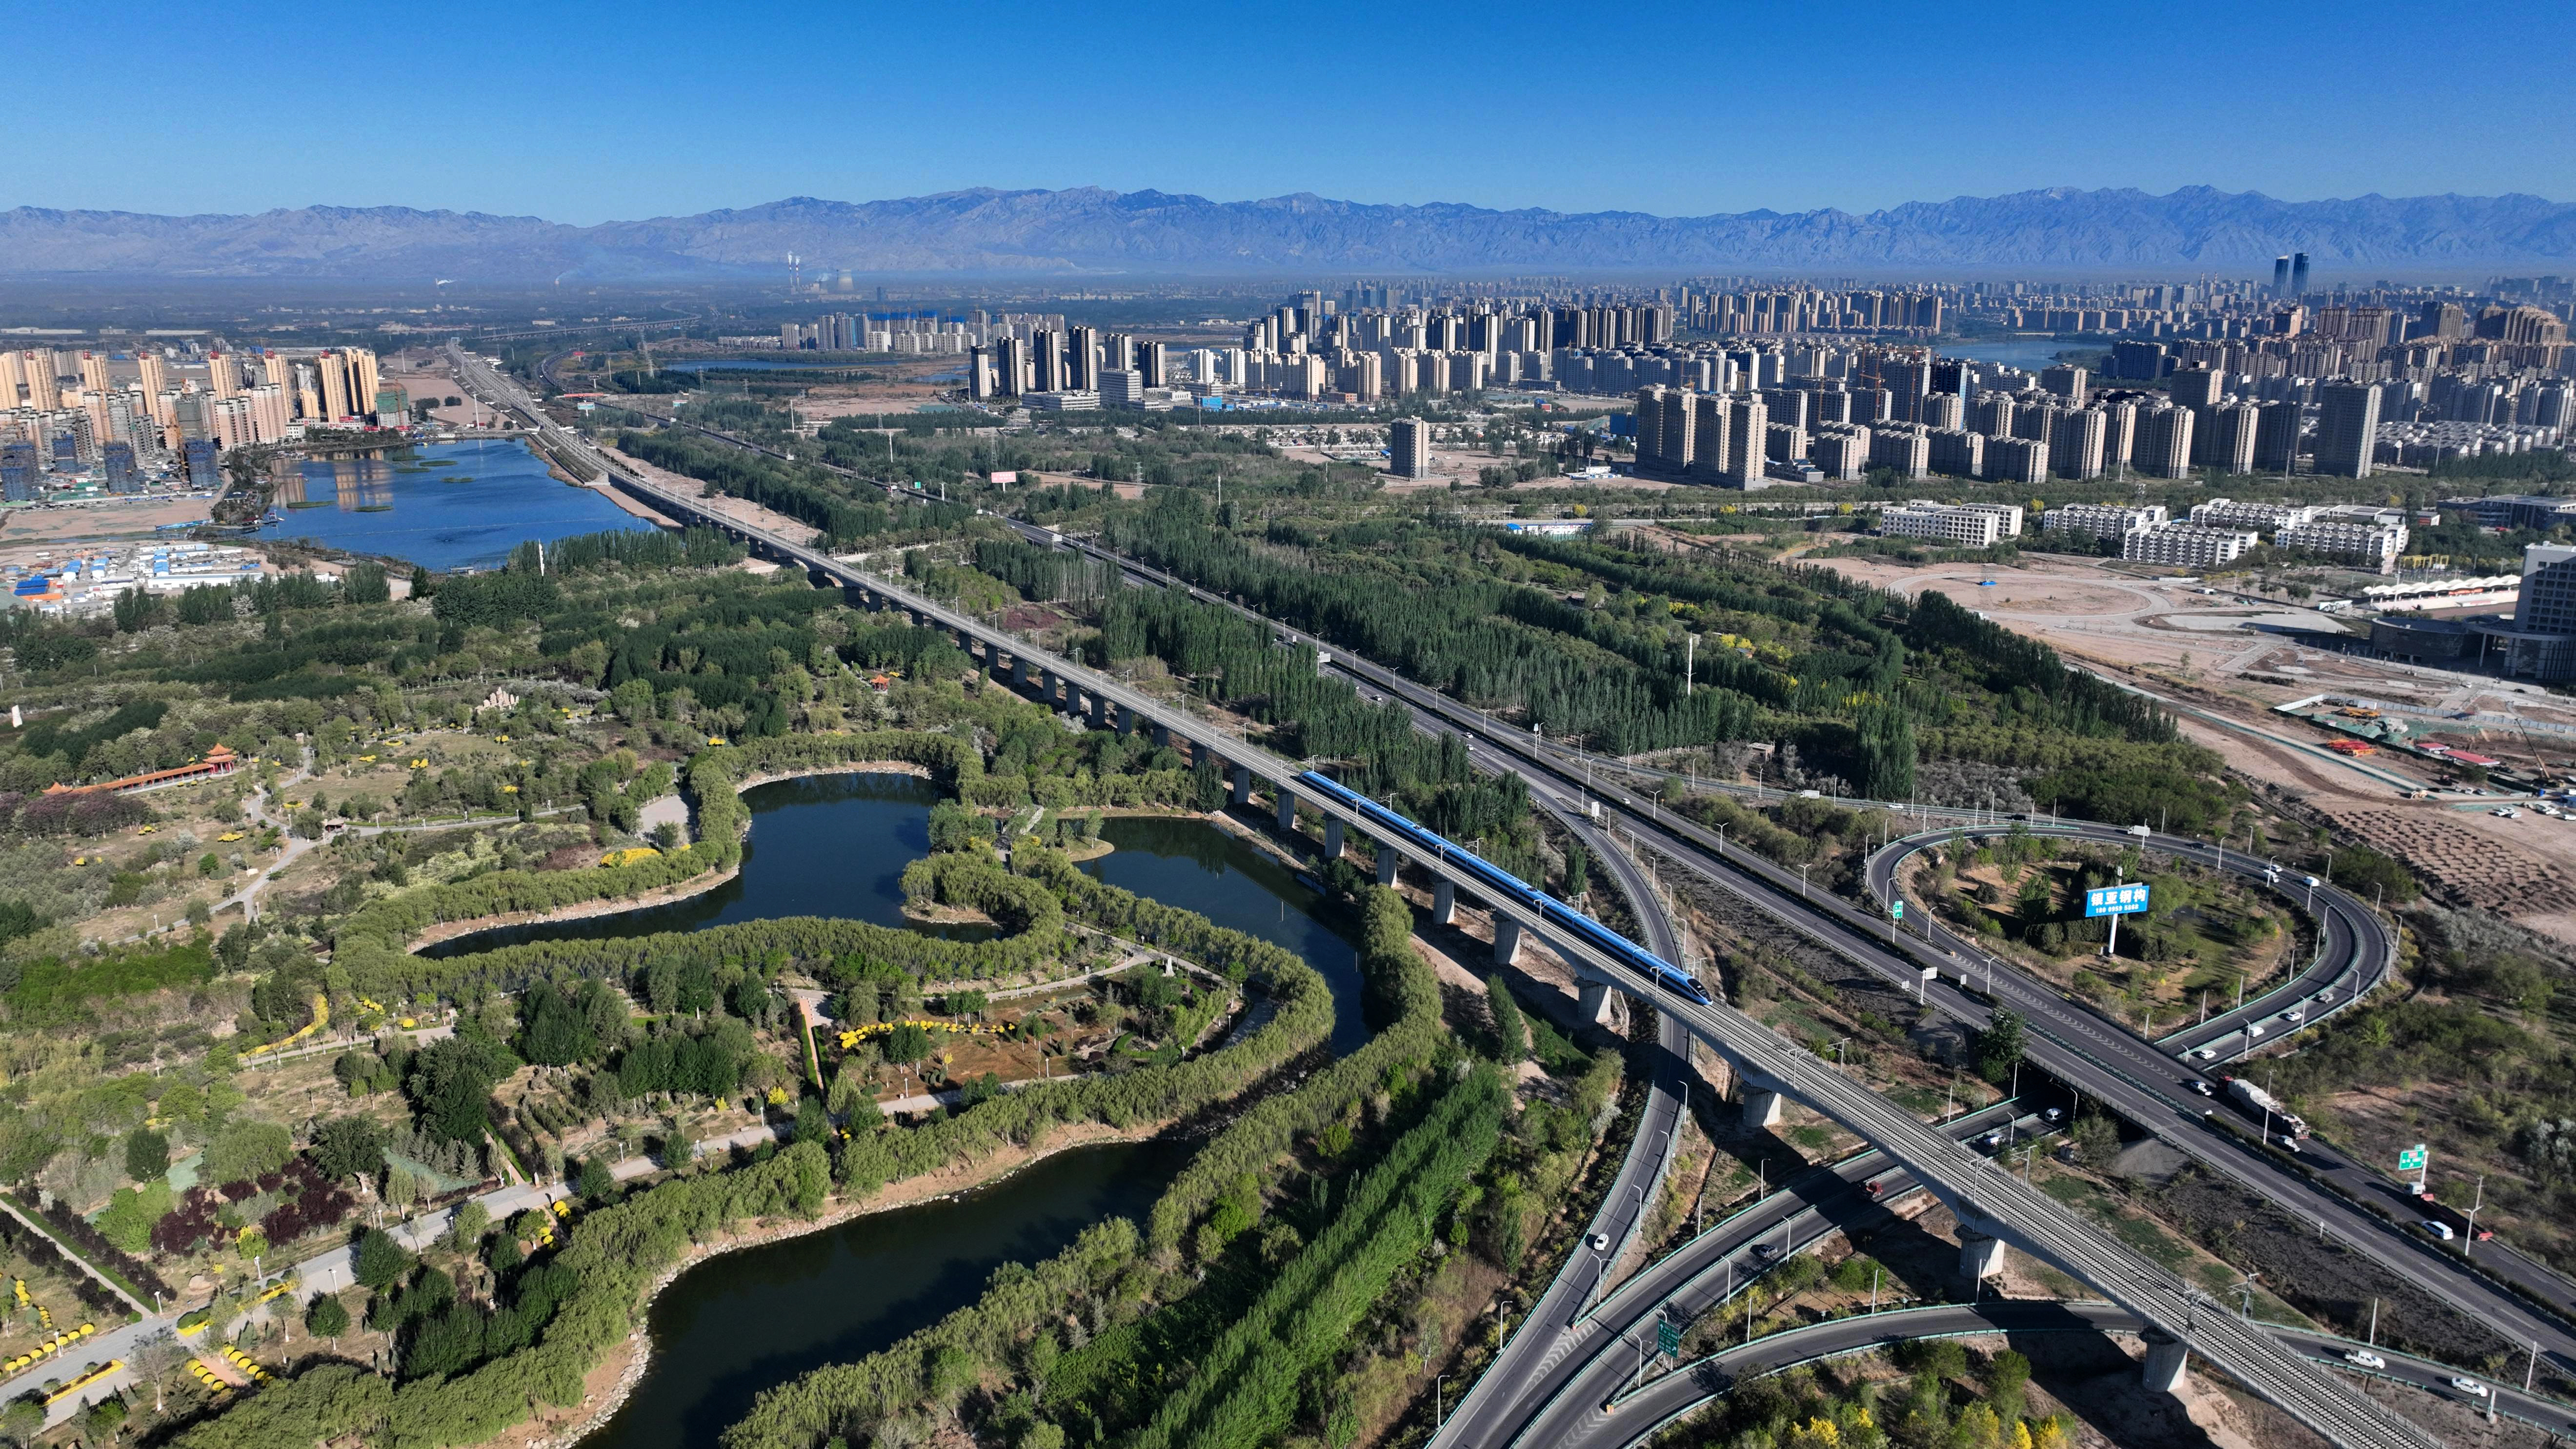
point(441, 505)
point(823, 845)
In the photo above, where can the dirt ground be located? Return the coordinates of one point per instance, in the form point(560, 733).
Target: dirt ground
point(101, 521)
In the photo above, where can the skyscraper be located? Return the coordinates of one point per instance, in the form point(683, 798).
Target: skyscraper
point(2347, 428)
point(2281, 276)
point(2299, 274)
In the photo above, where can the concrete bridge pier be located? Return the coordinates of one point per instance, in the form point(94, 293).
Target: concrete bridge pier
point(2164, 1364)
point(1762, 1105)
point(1507, 940)
point(1163, 736)
point(1595, 999)
point(1388, 859)
point(1287, 812)
point(1333, 838)
point(1047, 688)
point(1100, 711)
point(1242, 785)
point(1020, 671)
point(1980, 1255)
point(1126, 720)
point(1444, 902)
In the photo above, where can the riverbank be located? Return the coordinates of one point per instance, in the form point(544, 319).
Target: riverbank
point(612, 1382)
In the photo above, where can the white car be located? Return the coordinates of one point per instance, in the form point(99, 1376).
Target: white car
point(2364, 1358)
point(2439, 1229)
point(2140, 831)
point(1600, 1242)
point(2202, 1087)
point(2204, 1054)
point(2252, 1032)
point(2295, 1014)
point(2470, 1387)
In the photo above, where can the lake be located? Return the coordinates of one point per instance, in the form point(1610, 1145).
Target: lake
point(445, 506)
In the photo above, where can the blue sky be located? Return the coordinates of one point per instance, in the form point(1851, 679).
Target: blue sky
point(585, 112)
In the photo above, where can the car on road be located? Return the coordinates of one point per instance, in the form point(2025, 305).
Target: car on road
point(2468, 1386)
point(2202, 1087)
point(2252, 1031)
point(2204, 1054)
point(2439, 1229)
point(1874, 1187)
point(1599, 1242)
point(1766, 1251)
point(2140, 831)
point(2295, 1014)
point(2364, 1358)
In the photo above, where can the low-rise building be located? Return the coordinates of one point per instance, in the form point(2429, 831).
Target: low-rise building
point(2186, 545)
point(1961, 525)
point(2096, 520)
point(2374, 546)
point(2262, 517)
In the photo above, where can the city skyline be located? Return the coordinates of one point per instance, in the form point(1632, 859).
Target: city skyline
point(1856, 110)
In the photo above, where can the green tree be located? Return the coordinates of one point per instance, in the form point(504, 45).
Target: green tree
point(451, 1085)
point(245, 1149)
point(380, 1262)
point(147, 1154)
point(348, 1147)
point(326, 1317)
point(1511, 1035)
point(1999, 1047)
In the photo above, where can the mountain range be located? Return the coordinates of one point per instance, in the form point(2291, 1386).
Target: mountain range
point(1089, 231)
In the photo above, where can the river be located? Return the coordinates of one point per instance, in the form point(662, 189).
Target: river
point(751, 1320)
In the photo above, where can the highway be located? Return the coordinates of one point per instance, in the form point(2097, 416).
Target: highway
point(1638, 1415)
point(1587, 1360)
point(2354, 959)
point(1986, 1198)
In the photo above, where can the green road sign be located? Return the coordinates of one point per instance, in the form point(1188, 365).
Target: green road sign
point(1668, 1336)
point(1897, 910)
point(2411, 1159)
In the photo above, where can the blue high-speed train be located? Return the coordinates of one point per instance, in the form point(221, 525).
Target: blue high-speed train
point(1499, 881)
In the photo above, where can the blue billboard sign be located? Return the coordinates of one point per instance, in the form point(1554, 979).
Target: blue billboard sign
point(2115, 900)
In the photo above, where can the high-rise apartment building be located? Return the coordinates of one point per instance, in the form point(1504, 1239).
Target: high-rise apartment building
point(199, 455)
point(2076, 442)
point(2276, 436)
point(2065, 380)
point(2299, 274)
point(2016, 460)
point(1408, 448)
point(2163, 447)
point(2347, 428)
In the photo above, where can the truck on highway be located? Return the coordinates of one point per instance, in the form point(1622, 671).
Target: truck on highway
point(2262, 1106)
